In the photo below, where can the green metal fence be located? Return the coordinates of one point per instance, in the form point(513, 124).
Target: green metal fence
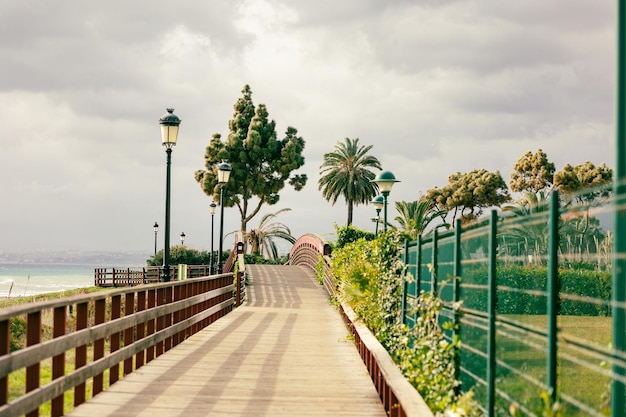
point(532, 295)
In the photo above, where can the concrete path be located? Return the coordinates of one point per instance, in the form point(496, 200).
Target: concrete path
point(285, 352)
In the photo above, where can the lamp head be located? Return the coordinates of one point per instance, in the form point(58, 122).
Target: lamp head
point(378, 203)
point(385, 181)
point(169, 128)
point(223, 172)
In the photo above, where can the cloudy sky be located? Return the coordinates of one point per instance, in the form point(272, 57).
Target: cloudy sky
point(436, 86)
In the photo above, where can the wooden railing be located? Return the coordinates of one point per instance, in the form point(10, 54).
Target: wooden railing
point(134, 326)
point(123, 277)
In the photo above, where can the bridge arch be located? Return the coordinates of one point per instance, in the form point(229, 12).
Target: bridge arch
point(313, 252)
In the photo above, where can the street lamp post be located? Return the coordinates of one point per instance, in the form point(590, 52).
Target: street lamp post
point(378, 202)
point(385, 180)
point(223, 174)
point(169, 133)
point(156, 230)
point(212, 207)
point(182, 239)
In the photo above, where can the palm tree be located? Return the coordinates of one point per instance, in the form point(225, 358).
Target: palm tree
point(261, 239)
point(346, 172)
point(415, 216)
point(528, 235)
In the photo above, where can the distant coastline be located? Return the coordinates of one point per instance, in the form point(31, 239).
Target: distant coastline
point(95, 259)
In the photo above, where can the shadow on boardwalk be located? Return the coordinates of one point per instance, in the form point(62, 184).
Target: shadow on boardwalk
point(285, 352)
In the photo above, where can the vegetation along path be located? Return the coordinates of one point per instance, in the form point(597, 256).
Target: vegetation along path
point(285, 352)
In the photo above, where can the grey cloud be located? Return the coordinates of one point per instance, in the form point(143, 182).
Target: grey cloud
point(436, 86)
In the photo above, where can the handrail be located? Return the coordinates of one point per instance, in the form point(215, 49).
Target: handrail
point(138, 324)
point(398, 396)
point(229, 265)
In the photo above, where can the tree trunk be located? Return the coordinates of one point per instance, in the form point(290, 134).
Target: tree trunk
point(349, 214)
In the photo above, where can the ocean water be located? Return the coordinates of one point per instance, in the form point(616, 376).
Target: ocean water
point(18, 280)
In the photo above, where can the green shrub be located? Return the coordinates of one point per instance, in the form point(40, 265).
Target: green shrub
point(349, 234)
point(425, 357)
point(579, 282)
point(319, 269)
point(18, 333)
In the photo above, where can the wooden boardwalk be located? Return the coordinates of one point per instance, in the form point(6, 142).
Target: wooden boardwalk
point(285, 352)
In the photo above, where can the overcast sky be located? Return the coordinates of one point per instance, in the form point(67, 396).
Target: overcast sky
point(436, 86)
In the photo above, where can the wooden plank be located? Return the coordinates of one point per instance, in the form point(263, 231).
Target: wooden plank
point(285, 352)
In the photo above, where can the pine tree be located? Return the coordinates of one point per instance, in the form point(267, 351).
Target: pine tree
point(261, 163)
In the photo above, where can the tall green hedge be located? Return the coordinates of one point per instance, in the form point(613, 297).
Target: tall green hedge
point(593, 286)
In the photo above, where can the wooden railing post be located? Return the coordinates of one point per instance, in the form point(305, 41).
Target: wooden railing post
point(98, 346)
point(116, 312)
point(168, 317)
point(160, 346)
point(238, 283)
point(150, 353)
point(141, 329)
point(33, 337)
point(82, 315)
point(5, 345)
point(58, 362)
point(178, 315)
point(129, 309)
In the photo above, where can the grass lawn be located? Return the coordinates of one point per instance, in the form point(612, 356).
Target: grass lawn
point(593, 329)
point(577, 378)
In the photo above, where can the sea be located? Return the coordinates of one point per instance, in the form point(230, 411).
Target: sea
point(19, 280)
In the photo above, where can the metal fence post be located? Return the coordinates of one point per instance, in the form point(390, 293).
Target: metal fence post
point(491, 313)
point(456, 328)
point(619, 260)
point(418, 269)
point(433, 282)
point(405, 288)
point(553, 294)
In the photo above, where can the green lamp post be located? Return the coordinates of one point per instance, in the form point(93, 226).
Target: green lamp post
point(156, 231)
point(378, 203)
point(385, 181)
point(223, 174)
point(169, 134)
point(212, 208)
